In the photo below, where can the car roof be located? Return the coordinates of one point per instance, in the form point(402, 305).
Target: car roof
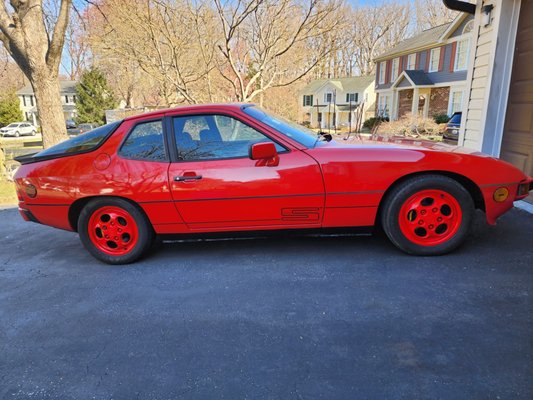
point(191, 107)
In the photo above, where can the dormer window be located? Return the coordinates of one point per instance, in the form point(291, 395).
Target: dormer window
point(328, 97)
point(468, 27)
point(308, 100)
point(352, 97)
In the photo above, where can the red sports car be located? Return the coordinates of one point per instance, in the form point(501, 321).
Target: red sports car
point(224, 169)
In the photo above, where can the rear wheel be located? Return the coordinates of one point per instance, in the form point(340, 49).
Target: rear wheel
point(428, 215)
point(114, 230)
point(33, 133)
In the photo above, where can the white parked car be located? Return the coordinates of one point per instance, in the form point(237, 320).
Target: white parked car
point(18, 129)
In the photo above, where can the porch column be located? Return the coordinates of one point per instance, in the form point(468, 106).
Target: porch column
point(414, 104)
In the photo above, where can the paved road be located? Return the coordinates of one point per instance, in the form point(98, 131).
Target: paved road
point(306, 318)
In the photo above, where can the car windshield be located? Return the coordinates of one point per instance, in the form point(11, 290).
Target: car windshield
point(455, 119)
point(301, 134)
point(13, 125)
point(84, 142)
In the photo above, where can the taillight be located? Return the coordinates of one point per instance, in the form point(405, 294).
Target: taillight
point(30, 190)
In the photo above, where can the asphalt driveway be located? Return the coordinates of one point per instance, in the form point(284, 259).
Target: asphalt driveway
point(301, 318)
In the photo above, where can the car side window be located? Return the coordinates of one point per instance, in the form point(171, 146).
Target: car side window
point(214, 137)
point(145, 142)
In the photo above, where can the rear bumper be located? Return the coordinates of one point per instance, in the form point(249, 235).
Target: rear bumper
point(46, 214)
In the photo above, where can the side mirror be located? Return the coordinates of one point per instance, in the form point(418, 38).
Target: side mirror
point(265, 154)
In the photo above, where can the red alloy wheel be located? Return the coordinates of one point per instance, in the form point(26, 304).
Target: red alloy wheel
point(113, 230)
point(430, 217)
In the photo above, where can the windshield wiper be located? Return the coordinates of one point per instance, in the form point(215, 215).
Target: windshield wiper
point(323, 135)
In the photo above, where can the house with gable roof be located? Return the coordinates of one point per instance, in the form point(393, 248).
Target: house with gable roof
point(335, 103)
point(425, 74)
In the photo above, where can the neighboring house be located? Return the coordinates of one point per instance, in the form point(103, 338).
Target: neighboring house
point(425, 74)
point(498, 107)
point(334, 103)
point(28, 105)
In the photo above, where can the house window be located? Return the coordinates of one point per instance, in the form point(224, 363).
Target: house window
point(383, 106)
point(411, 61)
point(308, 100)
point(382, 69)
point(352, 97)
point(461, 55)
point(468, 27)
point(456, 101)
point(434, 60)
point(328, 97)
point(394, 73)
point(66, 99)
point(31, 100)
point(24, 100)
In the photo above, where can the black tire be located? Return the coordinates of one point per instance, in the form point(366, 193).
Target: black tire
point(33, 133)
point(402, 193)
point(17, 134)
point(144, 231)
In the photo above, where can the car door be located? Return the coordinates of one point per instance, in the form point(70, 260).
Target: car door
point(217, 186)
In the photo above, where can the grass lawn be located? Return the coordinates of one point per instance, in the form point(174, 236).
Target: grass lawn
point(7, 193)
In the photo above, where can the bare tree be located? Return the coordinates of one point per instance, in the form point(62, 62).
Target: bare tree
point(272, 43)
point(37, 50)
point(77, 50)
point(431, 13)
point(169, 40)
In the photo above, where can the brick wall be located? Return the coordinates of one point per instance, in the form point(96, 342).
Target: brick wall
point(405, 102)
point(438, 103)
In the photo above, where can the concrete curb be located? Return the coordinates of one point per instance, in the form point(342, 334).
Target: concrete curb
point(524, 205)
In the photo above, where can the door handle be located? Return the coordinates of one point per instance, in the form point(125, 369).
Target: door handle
point(187, 178)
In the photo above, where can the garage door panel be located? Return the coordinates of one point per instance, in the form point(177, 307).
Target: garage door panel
point(517, 143)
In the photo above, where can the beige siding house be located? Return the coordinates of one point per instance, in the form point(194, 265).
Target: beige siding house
point(334, 103)
point(498, 107)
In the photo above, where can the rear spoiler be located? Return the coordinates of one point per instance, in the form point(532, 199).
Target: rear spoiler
point(33, 157)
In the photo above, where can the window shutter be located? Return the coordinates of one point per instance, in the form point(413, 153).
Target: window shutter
point(441, 58)
point(303, 102)
point(356, 97)
point(311, 101)
point(428, 57)
point(452, 58)
point(417, 61)
point(388, 71)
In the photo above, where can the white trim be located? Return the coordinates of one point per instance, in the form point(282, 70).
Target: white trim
point(468, 48)
point(502, 100)
point(453, 26)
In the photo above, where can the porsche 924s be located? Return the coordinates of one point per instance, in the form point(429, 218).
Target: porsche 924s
point(237, 168)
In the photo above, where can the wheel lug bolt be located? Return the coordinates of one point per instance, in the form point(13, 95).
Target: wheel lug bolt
point(439, 219)
point(107, 236)
point(431, 227)
point(420, 222)
point(116, 237)
point(423, 212)
point(435, 209)
point(119, 230)
point(104, 227)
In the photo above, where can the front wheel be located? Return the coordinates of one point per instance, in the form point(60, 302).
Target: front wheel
point(17, 134)
point(427, 215)
point(114, 230)
point(33, 133)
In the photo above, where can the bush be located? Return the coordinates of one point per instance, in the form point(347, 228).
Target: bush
point(307, 124)
point(441, 118)
point(370, 122)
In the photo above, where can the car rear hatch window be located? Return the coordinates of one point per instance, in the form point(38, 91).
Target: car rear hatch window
point(80, 144)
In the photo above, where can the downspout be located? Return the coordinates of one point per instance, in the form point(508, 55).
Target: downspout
point(462, 6)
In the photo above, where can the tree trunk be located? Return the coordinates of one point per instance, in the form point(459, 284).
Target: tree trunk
point(50, 109)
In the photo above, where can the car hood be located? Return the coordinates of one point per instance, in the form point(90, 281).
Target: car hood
point(5, 128)
point(407, 144)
